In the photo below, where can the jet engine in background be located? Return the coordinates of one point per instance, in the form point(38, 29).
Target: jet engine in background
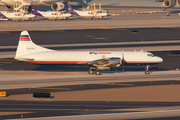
point(56, 6)
point(171, 3)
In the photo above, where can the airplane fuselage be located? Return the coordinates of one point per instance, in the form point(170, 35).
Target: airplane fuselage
point(83, 57)
point(17, 15)
point(90, 14)
point(55, 15)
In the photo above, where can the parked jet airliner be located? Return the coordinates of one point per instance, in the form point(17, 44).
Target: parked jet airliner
point(17, 15)
point(89, 14)
point(99, 60)
point(51, 15)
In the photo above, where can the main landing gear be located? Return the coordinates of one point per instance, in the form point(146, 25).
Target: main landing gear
point(147, 69)
point(97, 72)
point(90, 72)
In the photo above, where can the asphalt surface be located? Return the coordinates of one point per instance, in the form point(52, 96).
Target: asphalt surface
point(119, 20)
point(92, 36)
point(100, 46)
point(64, 108)
point(88, 87)
point(42, 107)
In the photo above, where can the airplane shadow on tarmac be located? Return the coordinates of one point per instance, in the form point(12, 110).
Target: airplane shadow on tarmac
point(176, 11)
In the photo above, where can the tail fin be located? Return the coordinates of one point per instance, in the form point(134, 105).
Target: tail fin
point(34, 11)
point(1, 14)
point(26, 46)
point(70, 10)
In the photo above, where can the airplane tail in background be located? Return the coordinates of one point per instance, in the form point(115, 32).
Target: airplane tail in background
point(26, 46)
point(1, 14)
point(70, 10)
point(34, 11)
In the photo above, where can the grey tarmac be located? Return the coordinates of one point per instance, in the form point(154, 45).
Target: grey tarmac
point(40, 79)
point(126, 20)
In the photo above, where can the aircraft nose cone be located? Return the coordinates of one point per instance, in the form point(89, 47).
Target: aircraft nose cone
point(160, 59)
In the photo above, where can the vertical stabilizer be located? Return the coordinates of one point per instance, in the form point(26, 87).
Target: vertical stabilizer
point(70, 10)
point(34, 11)
point(26, 46)
point(1, 14)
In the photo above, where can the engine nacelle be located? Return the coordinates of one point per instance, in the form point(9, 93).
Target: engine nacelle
point(103, 68)
point(115, 62)
point(178, 2)
point(56, 6)
point(169, 3)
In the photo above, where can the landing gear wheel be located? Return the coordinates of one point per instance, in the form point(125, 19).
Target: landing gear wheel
point(146, 72)
point(147, 69)
point(90, 72)
point(98, 72)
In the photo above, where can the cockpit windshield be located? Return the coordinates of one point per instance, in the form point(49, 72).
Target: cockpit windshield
point(150, 55)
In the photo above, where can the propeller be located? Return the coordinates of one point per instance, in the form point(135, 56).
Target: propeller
point(123, 61)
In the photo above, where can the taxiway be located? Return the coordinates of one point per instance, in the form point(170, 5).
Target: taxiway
point(115, 94)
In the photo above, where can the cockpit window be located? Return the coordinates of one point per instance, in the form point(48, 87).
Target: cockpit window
point(150, 55)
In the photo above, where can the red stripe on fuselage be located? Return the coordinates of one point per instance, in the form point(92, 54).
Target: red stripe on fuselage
point(24, 38)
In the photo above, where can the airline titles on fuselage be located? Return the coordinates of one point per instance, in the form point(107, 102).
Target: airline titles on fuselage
point(99, 53)
point(91, 13)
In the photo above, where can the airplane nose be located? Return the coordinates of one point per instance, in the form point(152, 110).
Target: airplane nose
point(160, 59)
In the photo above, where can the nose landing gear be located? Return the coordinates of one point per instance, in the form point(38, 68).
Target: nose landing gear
point(147, 69)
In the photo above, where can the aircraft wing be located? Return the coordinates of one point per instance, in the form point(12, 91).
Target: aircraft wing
point(114, 61)
point(99, 61)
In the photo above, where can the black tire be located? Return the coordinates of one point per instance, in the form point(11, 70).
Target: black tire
point(98, 72)
point(90, 72)
point(146, 72)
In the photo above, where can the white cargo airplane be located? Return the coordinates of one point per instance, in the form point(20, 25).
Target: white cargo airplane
point(17, 15)
point(89, 14)
point(99, 60)
point(51, 15)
